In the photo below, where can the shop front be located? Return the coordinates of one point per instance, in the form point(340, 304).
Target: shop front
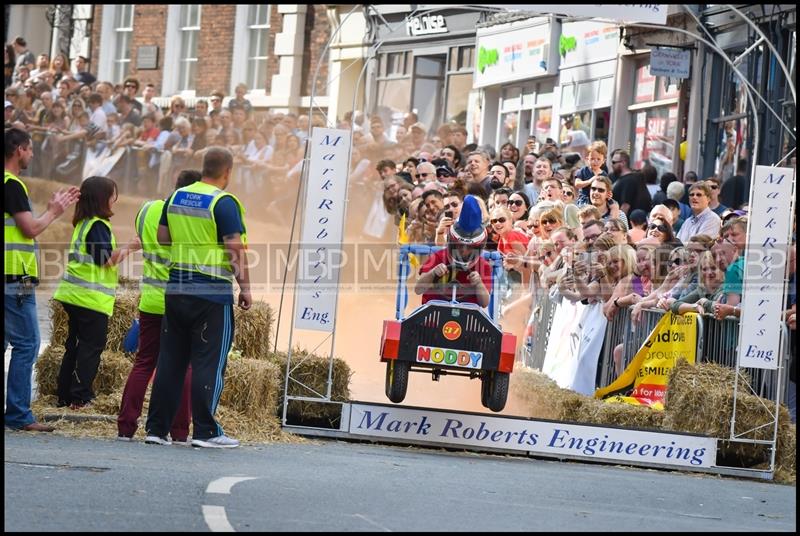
point(423, 64)
point(515, 71)
point(585, 89)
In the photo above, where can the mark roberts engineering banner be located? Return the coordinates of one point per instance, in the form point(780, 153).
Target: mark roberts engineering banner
point(321, 253)
point(553, 439)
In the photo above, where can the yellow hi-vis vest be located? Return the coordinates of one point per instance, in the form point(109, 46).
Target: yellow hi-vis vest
point(85, 284)
point(19, 251)
point(193, 230)
point(155, 271)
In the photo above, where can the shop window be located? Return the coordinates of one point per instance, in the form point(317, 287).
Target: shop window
point(544, 94)
point(394, 97)
point(458, 88)
point(512, 98)
point(654, 137)
point(649, 88)
point(508, 128)
point(587, 93)
point(541, 123)
point(568, 96)
point(605, 91)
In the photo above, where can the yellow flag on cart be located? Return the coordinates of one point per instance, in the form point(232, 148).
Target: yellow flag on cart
point(402, 239)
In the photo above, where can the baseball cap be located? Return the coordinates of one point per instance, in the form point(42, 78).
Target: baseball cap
point(8, 103)
point(445, 171)
point(419, 126)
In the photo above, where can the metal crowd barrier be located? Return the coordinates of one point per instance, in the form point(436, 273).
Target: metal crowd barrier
point(721, 338)
point(717, 342)
point(541, 320)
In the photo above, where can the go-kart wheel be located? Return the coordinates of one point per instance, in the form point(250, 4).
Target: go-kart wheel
point(397, 379)
point(494, 390)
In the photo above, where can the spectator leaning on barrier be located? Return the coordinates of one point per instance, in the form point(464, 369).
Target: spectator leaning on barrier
point(735, 234)
point(21, 270)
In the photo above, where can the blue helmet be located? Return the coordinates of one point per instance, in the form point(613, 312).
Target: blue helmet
point(467, 236)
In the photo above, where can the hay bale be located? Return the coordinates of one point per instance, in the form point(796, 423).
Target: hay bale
point(311, 374)
point(537, 392)
point(256, 427)
point(700, 400)
point(252, 387)
point(546, 400)
point(126, 310)
point(111, 374)
point(252, 329)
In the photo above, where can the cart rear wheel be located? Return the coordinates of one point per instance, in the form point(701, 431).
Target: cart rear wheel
point(397, 379)
point(494, 390)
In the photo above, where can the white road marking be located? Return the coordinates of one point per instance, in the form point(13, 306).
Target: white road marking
point(216, 519)
point(371, 522)
point(224, 484)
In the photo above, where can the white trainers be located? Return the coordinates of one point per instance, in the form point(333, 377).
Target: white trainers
point(155, 440)
point(219, 442)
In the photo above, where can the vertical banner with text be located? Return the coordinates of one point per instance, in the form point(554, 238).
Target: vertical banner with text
point(320, 254)
point(766, 257)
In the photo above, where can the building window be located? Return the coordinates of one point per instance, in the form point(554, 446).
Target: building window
point(257, 37)
point(655, 119)
point(394, 88)
point(123, 30)
point(189, 32)
point(459, 83)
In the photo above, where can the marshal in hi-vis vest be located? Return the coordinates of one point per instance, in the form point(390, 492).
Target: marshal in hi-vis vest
point(193, 230)
point(155, 271)
point(85, 284)
point(19, 251)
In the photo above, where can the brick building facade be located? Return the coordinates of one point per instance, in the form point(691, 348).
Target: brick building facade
point(223, 42)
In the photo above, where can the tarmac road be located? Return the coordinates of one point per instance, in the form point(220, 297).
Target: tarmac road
point(55, 483)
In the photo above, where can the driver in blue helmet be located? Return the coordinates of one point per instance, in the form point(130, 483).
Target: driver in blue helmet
point(460, 261)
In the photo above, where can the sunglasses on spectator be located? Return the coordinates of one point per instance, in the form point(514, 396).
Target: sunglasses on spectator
point(659, 226)
point(548, 254)
point(714, 186)
point(676, 261)
point(548, 222)
point(425, 174)
point(697, 194)
point(517, 202)
point(130, 86)
point(533, 226)
point(595, 189)
point(569, 193)
point(498, 220)
point(616, 161)
point(215, 99)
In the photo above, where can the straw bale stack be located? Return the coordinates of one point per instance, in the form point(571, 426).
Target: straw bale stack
point(111, 375)
point(252, 387)
point(700, 400)
point(126, 310)
point(252, 330)
point(311, 371)
point(546, 400)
